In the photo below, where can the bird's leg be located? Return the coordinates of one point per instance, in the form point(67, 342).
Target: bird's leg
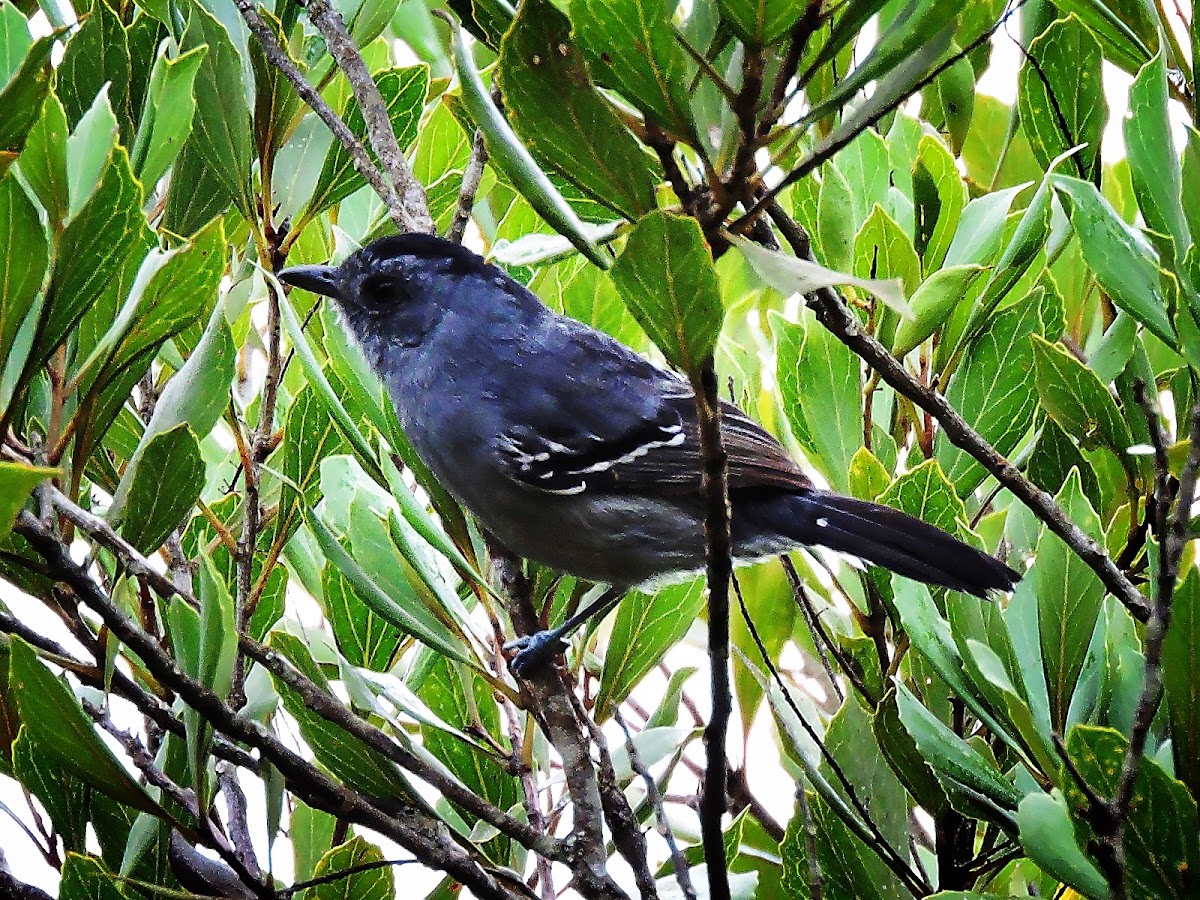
point(536, 650)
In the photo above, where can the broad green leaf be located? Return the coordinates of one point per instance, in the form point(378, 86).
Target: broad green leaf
point(168, 485)
point(901, 752)
point(865, 165)
point(17, 482)
point(868, 476)
point(924, 492)
point(1061, 98)
point(882, 250)
point(760, 22)
point(348, 758)
point(89, 150)
point(953, 760)
point(311, 831)
point(1189, 180)
point(631, 46)
point(166, 121)
point(939, 196)
point(836, 222)
point(97, 242)
point(820, 387)
point(666, 277)
point(403, 92)
point(364, 638)
point(992, 388)
point(21, 99)
point(792, 275)
point(1047, 837)
point(195, 195)
point(1069, 601)
point(1078, 402)
point(97, 56)
point(588, 294)
point(415, 619)
point(196, 395)
point(309, 437)
point(1161, 851)
point(645, 628)
point(949, 103)
point(1124, 263)
point(1053, 458)
point(1126, 29)
point(23, 258)
point(1181, 679)
point(44, 160)
point(87, 878)
point(507, 154)
point(359, 884)
point(1153, 162)
point(65, 797)
point(554, 107)
point(58, 724)
point(933, 304)
point(221, 133)
point(981, 228)
point(15, 40)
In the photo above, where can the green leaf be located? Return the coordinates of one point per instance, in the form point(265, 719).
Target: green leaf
point(760, 22)
point(882, 250)
point(645, 628)
point(507, 154)
point(1153, 162)
point(61, 729)
point(1047, 837)
point(1181, 679)
point(1124, 263)
point(1069, 601)
point(22, 97)
point(171, 477)
point(196, 395)
point(166, 121)
point(17, 482)
point(1161, 851)
point(44, 160)
point(953, 760)
point(1125, 28)
point(792, 275)
point(364, 638)
point(666, 277)
point(85, 877)
point(820, 386)
point(15, 40)
point(363, 884)
point(348, 758)
point(311, 831)
point(65, 798)
point(925, 492)
point(109, 230)
point(97, 55)
point(309, 437)
point(415, 619)
point(568, 126)
point(403, 92)
point(1078, 402)
point(933, 304)
point(991, 387)
point(221, 132)
point(1061, 97)
point(23, 258)
point(195, 195)
point(939, 196)
point(89, 150)
point(631, 46)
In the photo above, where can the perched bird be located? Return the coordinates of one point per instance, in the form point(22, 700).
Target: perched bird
point(574, 451)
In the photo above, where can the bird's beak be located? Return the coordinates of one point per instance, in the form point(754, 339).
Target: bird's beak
point(316, 279)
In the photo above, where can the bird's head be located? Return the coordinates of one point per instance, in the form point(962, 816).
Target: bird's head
point(395, 290)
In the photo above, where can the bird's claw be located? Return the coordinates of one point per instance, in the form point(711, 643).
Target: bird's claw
point(528, 654)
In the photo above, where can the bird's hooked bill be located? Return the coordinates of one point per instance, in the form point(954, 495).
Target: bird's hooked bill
point(316, 279)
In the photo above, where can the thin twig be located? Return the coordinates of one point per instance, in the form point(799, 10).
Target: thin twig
point(682, 874)
point(409, 208)
point(472, 175)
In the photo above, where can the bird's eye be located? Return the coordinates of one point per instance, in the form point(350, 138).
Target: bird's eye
point(382, 290)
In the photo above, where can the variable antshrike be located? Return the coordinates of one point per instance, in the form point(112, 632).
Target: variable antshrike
point(573, 450)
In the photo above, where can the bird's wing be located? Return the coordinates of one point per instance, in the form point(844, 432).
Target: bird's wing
point(625, 425)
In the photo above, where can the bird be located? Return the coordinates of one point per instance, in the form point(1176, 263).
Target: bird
point(572, 450)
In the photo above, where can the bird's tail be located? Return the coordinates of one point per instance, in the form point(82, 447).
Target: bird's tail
point(896, 541)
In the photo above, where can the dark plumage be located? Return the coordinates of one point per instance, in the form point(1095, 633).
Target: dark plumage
point(575, 451)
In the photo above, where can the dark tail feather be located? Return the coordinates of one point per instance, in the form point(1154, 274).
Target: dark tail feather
point(897, 541)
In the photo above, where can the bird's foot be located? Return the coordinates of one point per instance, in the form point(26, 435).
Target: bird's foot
point(530, 653)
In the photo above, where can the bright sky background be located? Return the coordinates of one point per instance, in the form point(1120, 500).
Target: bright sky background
point(768, 782)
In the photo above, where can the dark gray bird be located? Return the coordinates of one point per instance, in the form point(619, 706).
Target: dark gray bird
point(574, 451)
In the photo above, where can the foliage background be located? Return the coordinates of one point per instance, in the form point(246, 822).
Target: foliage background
point(156, 164)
